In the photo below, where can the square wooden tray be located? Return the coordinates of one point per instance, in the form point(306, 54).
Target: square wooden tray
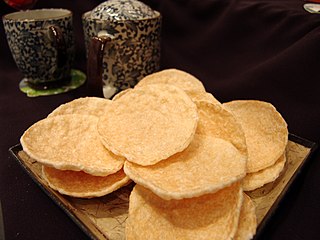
point(105, 217)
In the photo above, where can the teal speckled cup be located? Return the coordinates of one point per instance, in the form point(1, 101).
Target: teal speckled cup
point(42, 44)
point(122, 43)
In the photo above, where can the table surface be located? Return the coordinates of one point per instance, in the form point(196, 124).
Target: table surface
point(267, 50)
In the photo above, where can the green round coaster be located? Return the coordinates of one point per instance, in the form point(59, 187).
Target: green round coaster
point(77, 79)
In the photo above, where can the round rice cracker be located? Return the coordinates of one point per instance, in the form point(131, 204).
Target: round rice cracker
point(203, 96)
point(81, 184)
point(87, 105)
point(210, 216)
point(247, 221)
point(119, 94)
point(217, 121)
point(265, 130)
point(149, 123)
point(178, 78)
point(206, 166)
point(70, 142)
point(256, 180)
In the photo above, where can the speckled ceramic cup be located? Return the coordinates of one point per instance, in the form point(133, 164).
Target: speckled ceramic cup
point(123, 45)
point(42, 44)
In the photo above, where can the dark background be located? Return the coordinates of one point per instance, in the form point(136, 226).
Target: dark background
point(246, 49)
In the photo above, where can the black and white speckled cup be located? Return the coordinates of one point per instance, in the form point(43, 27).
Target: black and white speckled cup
point(42, 44)
point(121, 49)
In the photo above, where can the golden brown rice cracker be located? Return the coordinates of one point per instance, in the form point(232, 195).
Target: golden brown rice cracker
point(86, 105)
point(119, 94)
point(248, 221)
point(70, 142)
point(265, 130)
point(255, 180)
point(203, 96)
point(149, 123)
point(211, 216)
point(206, 166)
point(81, 184)
point(179, 78)
point(215, 120)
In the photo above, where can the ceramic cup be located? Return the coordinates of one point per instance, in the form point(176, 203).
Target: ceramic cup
point(42, 44)
point(122, 46)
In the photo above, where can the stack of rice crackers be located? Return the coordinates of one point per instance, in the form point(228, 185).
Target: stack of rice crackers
point(190, 156)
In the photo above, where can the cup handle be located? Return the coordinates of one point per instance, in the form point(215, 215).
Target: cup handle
point(60, 45)
point(94, 64)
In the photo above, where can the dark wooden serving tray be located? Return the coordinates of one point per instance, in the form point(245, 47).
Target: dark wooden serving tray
point(105, 217)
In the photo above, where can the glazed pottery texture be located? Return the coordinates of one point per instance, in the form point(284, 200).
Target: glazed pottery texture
point(38, 53)
point(122, 10)
point(132, 53)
